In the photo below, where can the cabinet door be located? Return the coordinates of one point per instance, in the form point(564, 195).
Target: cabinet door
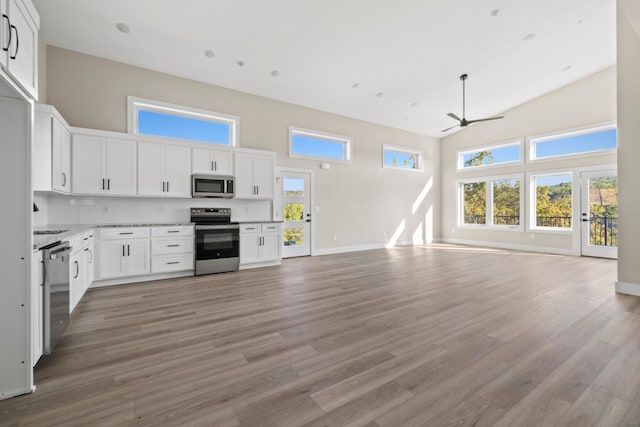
point(87, 163)
point(87, 266)
point(4, 33)
point(36, 307)
point(202, 161)
point(249, 248)
point(138, 257)
point(178, 171)
point(111, 259)
point(244, 176)
point(121, 167)
point(75, 280)
point(151, 171)
point(61, 157)
point(263, 176)
point(22, 61)
point(271, 246)
point(222, 162)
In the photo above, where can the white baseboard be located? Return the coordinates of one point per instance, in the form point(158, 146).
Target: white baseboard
point(358, 248)
point(135, 279)
point(260, 264)
point(628, 288)
point(528, 248)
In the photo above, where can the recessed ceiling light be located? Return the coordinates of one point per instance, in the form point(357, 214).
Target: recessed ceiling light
point(567, 68)
point(355, 85)
point(494, 13)
point(240, 63)
point(123, 28)
point(380, 94)
point(275, 73)
point(209, 54)
point(415, 104)
point(528, 37)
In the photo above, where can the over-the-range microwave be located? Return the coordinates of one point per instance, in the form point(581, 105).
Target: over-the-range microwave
point(220, 186)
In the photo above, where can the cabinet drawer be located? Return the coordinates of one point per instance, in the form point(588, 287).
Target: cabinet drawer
point(270, 227)
point(181, 230)
point(124, 233)
point(169, 263)
point(76, 243)
point(249, 228)
point(171, 246)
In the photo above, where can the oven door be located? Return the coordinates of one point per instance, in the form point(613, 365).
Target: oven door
point(217, 241)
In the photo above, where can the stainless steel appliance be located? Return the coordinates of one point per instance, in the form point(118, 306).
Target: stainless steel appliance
point(221, 186)
point(217, 240)
point(56, 293)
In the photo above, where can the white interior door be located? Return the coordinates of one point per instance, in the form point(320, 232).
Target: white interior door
point(599, 214)
point(294, 199)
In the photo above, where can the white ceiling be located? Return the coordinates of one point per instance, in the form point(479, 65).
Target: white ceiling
point(411, 50)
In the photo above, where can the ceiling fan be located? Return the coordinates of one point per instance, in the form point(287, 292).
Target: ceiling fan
point(463, 121)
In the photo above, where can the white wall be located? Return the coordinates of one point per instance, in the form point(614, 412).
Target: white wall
point(586, 102)
point(629, 148)
point(361, 203)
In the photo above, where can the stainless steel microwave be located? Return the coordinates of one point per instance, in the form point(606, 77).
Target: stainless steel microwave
point(221, 186)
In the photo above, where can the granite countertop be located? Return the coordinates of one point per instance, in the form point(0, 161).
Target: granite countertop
point(71, 230)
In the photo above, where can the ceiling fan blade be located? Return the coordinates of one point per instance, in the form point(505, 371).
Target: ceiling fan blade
point(485, 120)
point(453, 116)
point(448, 129)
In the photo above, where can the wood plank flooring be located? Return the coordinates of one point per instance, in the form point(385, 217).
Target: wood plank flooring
point(415, 336)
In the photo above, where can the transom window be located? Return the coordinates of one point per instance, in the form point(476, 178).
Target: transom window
point(311, 144)
point(493, 202)
point(396, 157)
point(501, 154)
point(147, 117)
point(580, 142)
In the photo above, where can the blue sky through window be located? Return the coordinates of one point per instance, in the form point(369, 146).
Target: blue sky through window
point(543, 181)
point(310, 146)
point(402, 159)
point(169, 125)
point(577, 144)
point(293, 184)
point(510, 153)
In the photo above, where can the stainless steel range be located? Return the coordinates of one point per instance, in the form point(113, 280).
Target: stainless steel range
point(217, 240)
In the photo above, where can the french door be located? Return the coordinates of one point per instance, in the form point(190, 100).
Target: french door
point(599, 214)
point(294, 208)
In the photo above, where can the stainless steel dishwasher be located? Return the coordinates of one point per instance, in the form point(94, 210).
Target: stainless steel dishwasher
point(56, 293)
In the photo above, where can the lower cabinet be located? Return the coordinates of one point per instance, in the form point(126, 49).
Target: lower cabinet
point(123, 252)
point(260, 244)
point(37, 289)
point(171, 249)
point(81, 267)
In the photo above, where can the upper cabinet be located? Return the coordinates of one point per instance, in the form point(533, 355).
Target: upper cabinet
point(216, 162)
point(103, 166)
point(51, 151)
point(164, 170)
point(19, 42)
point(254, 176)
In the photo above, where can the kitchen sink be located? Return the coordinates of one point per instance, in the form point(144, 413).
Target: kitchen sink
point(38, 232)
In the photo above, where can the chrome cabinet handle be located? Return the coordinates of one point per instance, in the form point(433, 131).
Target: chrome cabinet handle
point(77, 269)
point(17, 41)
point(6, 48)
point(64, 182)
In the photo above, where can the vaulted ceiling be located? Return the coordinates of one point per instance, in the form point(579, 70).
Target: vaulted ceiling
point(395, 63)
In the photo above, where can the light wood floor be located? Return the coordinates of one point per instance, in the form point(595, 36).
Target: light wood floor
point(435, 335)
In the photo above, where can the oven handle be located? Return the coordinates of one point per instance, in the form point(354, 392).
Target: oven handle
point(218, 227)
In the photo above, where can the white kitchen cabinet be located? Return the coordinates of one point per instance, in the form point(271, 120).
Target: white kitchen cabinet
point(19, 29)
point(164, 170)
point(81, 266)
point(37, 289)
point(215, 162)
point(172, 249)
point(75, 279)
point(254, 176)
point(51, 156)
point(123, 252)
point(260, 244)
point(102, 166)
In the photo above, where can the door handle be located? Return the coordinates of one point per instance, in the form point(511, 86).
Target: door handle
point(6, 48)
point(17, 41)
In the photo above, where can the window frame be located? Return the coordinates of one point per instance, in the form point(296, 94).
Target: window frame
point(531, 142)
point(489, 225)
point(135, 104)
point(461, 153)
point(419, 157)
point(347, 142)
point(531, 212)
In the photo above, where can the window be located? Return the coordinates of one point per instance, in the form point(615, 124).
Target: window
point(173, 121)
point(496, 155)
point(318, 145)
point(401, 158)
point(552, 201)
point(574, 143)
point(491, 202)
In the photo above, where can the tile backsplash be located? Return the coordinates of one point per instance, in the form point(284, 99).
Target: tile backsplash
point(62, 209)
